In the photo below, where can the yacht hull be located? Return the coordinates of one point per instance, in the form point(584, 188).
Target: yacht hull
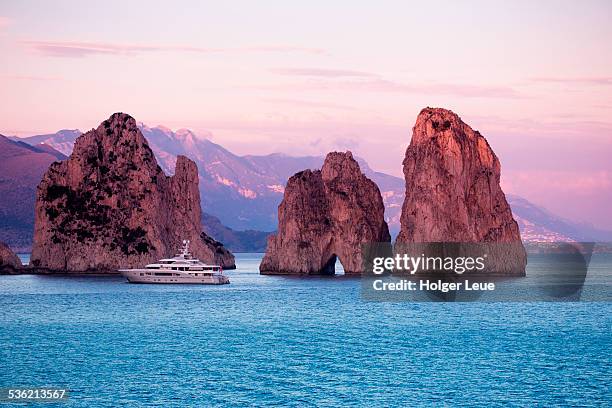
point(147, 276)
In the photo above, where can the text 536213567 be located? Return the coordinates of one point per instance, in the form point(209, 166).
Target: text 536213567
point(25, 394)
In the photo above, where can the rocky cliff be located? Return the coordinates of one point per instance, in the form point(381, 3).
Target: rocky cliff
point(110, 205)
point(325, 215)
point(453, 191)
point(9, 262)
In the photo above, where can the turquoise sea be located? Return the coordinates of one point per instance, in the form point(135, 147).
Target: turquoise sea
point(267, 340)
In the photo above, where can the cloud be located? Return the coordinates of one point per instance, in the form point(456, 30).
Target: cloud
point(464, 90)
point(78, 49)
point(306, 104)
point(322, 72)
point(547, 127)
point(574, 182)
point(32, 78)
point(595, 80)
point(383, 85)
point(83, 49)
point(345, 143)
point(4, 22)
point(279, 48)
point(316, 142)
point(472, 91)
point(358, 80)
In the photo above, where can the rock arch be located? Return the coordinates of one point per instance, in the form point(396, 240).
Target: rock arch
point(324, 214)
point(329, 266)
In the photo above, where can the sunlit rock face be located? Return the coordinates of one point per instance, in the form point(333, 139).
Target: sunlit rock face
point(326, 214)
point(453, 191)
point(110, 205)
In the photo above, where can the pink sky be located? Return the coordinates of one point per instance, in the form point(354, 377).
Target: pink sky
point(534, 77)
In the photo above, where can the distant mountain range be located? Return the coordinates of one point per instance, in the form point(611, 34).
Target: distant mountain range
point(242, 191)
point(540, 225)
point(61, 141)
point(240, 194)
point(21, 168)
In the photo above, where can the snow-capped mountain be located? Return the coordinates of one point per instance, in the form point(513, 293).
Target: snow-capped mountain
point(62, 141)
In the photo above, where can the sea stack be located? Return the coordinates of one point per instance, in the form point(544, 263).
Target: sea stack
point(326, 214)
point(110, 206)
point(9, 262)
point(453, 192)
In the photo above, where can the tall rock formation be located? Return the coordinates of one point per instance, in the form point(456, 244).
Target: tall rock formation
point(453, 191)
point(9, 262)
point(325, 215)
point(110, 205)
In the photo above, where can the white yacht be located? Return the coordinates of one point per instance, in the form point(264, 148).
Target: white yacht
point(183, 268)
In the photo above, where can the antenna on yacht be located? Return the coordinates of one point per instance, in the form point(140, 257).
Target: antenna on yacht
point(185, 247)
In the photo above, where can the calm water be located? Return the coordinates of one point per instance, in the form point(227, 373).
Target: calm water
point(267, 340)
